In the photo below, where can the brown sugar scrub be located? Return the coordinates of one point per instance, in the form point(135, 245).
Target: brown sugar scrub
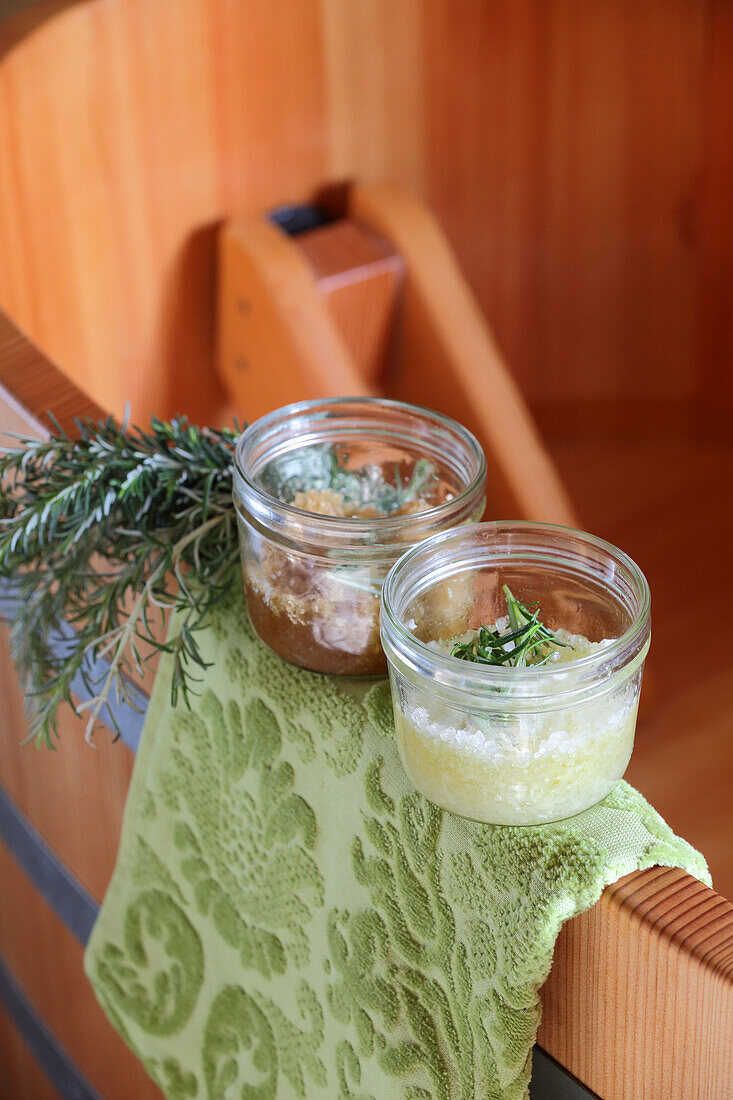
point(328, 495)
point(334, 614)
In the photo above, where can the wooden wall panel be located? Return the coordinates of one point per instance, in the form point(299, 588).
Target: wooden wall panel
point(564, 160)
point(74, 797)
point(46, 961)
point(714, 226)
point(22, 1077)
point(578, 154)
point(60, 792)
point(375, 79)
point(158, 120)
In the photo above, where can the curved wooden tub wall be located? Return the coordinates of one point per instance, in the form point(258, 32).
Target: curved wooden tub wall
point(639, 1004)
point(575, 154)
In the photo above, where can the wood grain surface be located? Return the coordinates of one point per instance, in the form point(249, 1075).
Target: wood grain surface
point(75, 796)
point(22, 1076)
point(577, 155)
point(447, 359)
point(278, 342)
point(639, 1002)
point(360, 277)
point(669, 504)
point(46, 960)
point(33, 386)
point(280, 337)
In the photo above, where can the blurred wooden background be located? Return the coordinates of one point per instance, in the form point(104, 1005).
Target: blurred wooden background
point(578, 153)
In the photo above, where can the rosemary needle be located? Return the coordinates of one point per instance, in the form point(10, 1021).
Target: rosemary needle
point(527, 640)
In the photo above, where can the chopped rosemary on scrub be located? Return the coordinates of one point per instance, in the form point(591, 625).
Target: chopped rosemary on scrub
point(527, 642)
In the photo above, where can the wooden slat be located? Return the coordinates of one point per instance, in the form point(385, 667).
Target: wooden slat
point(639, 1002)
point(22, 1077)
point(360, 275)
point(576, 154)
point(32, 386)
point(277, 340)
point(448, 359)
point(46, 960)
point(74, 797)
point(60, 792)
point(278, 335)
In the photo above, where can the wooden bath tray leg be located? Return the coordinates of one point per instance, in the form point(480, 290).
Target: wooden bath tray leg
point(376, 302)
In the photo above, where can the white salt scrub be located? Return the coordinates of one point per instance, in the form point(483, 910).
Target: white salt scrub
point(519, 721)
point(510, 768)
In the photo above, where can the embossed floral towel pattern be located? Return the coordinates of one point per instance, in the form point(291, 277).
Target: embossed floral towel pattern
point(289, 918)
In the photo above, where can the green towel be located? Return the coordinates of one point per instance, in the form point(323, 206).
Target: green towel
point(289, 918)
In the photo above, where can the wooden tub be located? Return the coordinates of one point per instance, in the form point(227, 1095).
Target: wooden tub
point(140, 146)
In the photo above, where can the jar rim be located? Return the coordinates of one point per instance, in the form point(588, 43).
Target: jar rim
point(400, 643)
point(358, 528)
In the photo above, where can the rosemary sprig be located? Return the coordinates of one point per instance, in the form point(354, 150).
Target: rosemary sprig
point(110, 531)
point(528, 641)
